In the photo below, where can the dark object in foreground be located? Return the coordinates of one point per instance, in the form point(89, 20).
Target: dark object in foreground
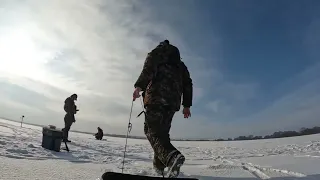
point(51, 138)
point(115, 175)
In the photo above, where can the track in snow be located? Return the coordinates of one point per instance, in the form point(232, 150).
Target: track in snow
point(256, 170)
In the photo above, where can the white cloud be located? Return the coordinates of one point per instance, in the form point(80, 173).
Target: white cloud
point(214, 105)
point(93, 48)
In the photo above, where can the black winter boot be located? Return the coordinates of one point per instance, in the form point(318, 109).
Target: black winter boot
point(174, 165)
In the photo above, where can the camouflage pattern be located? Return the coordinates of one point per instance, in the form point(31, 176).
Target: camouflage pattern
point(165, 78)
point(156, 128)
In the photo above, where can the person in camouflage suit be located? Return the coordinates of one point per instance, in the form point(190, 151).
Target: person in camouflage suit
point(164, 80)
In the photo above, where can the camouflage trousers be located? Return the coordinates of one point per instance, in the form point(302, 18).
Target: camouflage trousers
point(156, 127)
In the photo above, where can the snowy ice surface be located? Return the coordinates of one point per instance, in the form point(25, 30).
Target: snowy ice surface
point(23, 158)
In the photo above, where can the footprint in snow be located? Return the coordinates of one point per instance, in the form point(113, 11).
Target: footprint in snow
point(18, 151)
point(31, 146)
point(3, 143)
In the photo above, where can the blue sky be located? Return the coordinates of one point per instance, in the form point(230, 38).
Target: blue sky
point(260, 42)
point(255, 64)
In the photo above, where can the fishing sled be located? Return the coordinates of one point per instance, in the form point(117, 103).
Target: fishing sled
point(116, 176)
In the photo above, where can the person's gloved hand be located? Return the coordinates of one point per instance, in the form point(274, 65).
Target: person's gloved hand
point(186, 112)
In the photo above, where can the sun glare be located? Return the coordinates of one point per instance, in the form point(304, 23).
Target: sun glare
point(20, 56)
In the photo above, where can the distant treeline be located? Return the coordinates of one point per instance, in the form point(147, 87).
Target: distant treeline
point(279, 134)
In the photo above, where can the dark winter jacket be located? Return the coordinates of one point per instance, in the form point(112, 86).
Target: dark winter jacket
point(165, 78)
point(69, 106)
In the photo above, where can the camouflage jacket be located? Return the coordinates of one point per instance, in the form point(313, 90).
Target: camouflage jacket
point(165, 78)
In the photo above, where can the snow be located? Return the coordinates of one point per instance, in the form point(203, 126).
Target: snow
point(23, 158)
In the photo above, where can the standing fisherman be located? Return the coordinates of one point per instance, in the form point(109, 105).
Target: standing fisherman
point(71, 109)
point(164, 80)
